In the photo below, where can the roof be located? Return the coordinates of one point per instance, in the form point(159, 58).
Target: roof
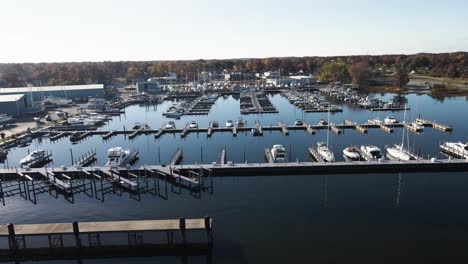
point(51, 88)
point(11, 97)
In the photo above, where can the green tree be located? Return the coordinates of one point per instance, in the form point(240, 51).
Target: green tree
point(333, 71)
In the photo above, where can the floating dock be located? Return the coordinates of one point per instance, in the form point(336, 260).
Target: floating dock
point(181, 238)
point(433, 124)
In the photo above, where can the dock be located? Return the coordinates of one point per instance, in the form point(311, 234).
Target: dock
point(283, 128)
point(336, 130)
point(136, 132)
point(58, 136)
point(86, 159)
point(386, 128)
point(109, 134)
point(177, 157)
point(433, 124)
point(412, 128)
point(268, 156)
point(89, 239)
point(315, 155)
point(222, 156)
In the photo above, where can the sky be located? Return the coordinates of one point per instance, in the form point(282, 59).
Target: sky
point(115, 30)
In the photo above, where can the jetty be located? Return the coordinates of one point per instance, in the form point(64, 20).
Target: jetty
point(433, 124)
point(90, 239)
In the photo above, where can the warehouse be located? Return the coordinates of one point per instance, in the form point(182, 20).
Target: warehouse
point(13, 104)
point(37, 94)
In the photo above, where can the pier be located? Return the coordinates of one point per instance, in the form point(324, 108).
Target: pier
point(433, 124)
point(315, 155)
point(283, 128)
point(177, 157)
point(179, 237)
point(86, 159)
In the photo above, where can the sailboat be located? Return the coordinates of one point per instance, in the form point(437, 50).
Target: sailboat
point(399, 152)
point(322, 148)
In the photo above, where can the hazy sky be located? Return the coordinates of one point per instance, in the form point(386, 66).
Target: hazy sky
point(97, 30)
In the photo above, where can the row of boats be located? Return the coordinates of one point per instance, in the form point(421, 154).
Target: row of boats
point(368, 152)
point(351, 96)
point(310, 101)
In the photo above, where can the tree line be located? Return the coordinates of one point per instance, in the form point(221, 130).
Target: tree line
point(356, 69)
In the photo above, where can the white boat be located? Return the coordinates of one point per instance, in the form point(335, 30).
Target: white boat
point(352, 153)
point(458, 148)
point(170, 125)
point(240, 122)
point(118, 156)
point(372, 152)
point(51, 101)
point(278, 152)
point(390, 120)
point(173, 114)
point(35, 156)
point(298, 123)
point(375, 121)
point(325, 152)
point(417, 126)
point(398, 152)
point(193, 125)
point(60, 113)
point(229, 123)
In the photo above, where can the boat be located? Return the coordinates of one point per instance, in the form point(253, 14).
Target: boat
point(118, 156)
point(5, 119)
point(173, 114)
point(170, 125)
point(34, 157)
point(325, 152)
point(352, 153)
point(240, 122)
point(60, 113)
point(52, 102)
point(278, 153)
point(48, 118)
point(193, 125)
point(417, 126)
point(372, 152)
point(37, 119)
point(458, 148)
point(298, 122)
point(323, 122)
point(136, 126)
point(214, 124)
point(390, 120)
point(398, 152)
point(375, 121)
point(229, 123)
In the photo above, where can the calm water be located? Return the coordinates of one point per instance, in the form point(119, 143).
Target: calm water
point(368, 218)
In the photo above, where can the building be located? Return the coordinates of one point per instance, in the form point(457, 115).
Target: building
point(271, 75)
point(292, 80)
point(12, 104)
point(170, 79)
point(37, 94)
point(152, 87)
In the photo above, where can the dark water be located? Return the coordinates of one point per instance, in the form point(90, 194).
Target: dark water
point(379, 218)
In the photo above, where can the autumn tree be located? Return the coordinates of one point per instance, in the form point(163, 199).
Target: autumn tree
point(401, 77)
point(359, 73)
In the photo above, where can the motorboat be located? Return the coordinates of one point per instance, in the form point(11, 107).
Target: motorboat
point(372, 152)
point(214, 124)
point(398, 152)
point(5, 119)
point(173, 114)
point(323, 122)
point(278, 153)
point(459, 148)
point(325, 152)
point(375, 121)
point(136, 126)
point(193, 124)
point(417, 126)
point(352, 153)
point(34, 156)
point(298, 122)
point(60, 113)
point(118, 156)
point(51, 102)
point(170, 125)
point(240, 122)
point(229, 123)
point(390, 120)
point(37, 119)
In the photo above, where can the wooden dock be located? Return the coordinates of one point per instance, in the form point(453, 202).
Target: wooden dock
point(315, 155)
point(336, 130)
point(109, 135)
point(433, 124)
point(177, 157)
point(386, 128)
point(222, 156)
point(284, 128)
point(268, 156)
point(89, 239)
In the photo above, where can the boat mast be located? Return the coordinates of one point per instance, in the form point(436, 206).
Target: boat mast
point(403, 134)
point(328, 123)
